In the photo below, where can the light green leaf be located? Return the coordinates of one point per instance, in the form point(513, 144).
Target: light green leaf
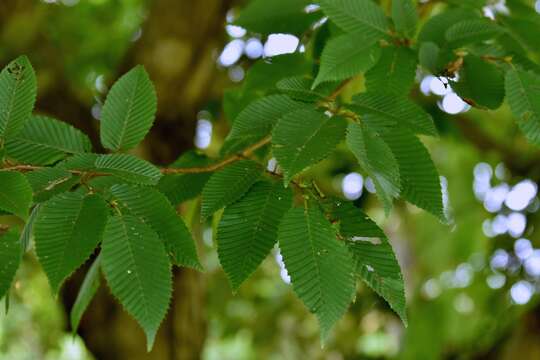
point(228, 185)
point(405, 17)
point(129, 110)
point(44, 140)
point(10, 258)
point(377, 160)
point(480, 84)
point(257, 121)
point(66, 231)
point(89, 287)
point(420, 183)
point(394, 72)
point(305, 137)
point(17, 96)
point(362, 16)
point(523, 95)
point(320, 267)
point(395, 109)
point(472, 31)
point(247, 231)
point(346, 56)
point(128, 168)
point(155, 210)
point(138, 271)
point(15, 193)
point(277, 16)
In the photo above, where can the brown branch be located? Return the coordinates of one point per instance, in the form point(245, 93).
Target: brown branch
point(217, 166)
point(247, 152)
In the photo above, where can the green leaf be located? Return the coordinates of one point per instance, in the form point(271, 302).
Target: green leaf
point(44, 140)
point(362, 16)
point(480, 84)
point(375, 262)
point(523, 95)
point(320, 267)
point(428, 56)
point(394, 72)
point(257, 121)
point(129, 110)
point(346, 56)
point(138, 271)
point(472, 31)
point(128, 168)
point(374, 257)
point(66, 231)
point(10, 258)
point(405, 17)
point(395, 109)
point(50, 181)
point(247, 231)
point(89, 287)
point(277, 16)
point(435, 28)
point(420, 183)
point(17, 96)
point(228, 185)
point(305, 137)
point(15, 193)
point(299, 88)
point(28, 230)
point(155, 210)
point(377, 160)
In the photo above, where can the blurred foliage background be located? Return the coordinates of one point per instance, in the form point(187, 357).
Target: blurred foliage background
point(472, 286)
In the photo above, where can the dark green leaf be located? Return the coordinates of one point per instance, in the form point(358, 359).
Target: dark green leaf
point(480, 83)
point(44, 140)
point(362, 16)
point(153, 209)
point(377, 160)
point(523, 95)
point(394, 72)
point(320, 267)
point(138, 271)
point(17, 96)
point(346, 56)
point(129, 110)
point(66, 231)
point(248, 229)
point(10, 258)
point(15, 193)
point(277, 16)
point(303, 138)
point(420, 183)
point(89, 287)
point(228, 185)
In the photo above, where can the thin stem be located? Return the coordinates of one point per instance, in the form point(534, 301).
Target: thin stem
point(246, 153)
point(219, 165)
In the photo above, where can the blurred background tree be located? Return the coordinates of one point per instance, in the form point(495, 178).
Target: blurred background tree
point(471, 286)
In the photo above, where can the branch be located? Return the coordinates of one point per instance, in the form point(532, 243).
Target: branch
point(217, 166)
point(247, 152)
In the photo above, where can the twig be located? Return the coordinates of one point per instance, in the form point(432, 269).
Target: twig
point(246, 153)
point(217, 166)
